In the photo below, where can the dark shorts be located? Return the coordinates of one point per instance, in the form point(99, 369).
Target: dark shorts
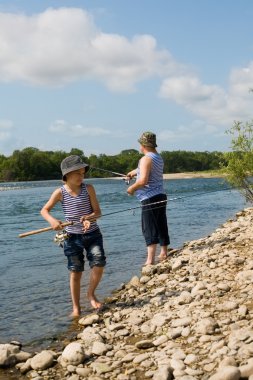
point(154, 220)
point(92, 243)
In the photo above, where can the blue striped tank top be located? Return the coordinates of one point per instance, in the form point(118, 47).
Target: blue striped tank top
point(155, 181)
point(76, 207)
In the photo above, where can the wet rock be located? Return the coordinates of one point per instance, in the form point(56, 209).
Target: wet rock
point(90, 320)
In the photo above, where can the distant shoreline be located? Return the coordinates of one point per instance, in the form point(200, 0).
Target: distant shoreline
point(186, 175)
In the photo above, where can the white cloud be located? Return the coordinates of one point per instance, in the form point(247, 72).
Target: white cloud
point(197, 130)
point(212, 102)
point(62, 45)
point(6, 127)
point(77, 130)
point(59, 46)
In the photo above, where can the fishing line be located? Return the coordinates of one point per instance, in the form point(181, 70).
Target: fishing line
point(126, 179)
point(160, 202)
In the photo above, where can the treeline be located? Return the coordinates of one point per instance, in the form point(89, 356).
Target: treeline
point(31, 164)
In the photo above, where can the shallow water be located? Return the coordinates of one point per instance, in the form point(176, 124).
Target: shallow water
point(34, 289)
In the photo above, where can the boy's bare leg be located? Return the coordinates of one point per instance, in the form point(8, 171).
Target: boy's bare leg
point(151, 254)
point(163, 253)
point(95, 277)
point(75, 286)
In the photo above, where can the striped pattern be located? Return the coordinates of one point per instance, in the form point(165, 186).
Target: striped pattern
point(155, 182)
point(76, 207)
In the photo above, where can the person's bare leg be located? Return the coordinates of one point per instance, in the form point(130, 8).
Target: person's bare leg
point(75, 286)
point(95, 277)
point(163, 253)
point(151, 254)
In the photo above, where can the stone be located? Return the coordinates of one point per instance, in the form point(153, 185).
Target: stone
point(42, 361)
point(74, 353)
point(144, 344)
point(227, 373)
point(90, 320)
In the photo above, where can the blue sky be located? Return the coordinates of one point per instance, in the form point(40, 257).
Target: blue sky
point(95, 74)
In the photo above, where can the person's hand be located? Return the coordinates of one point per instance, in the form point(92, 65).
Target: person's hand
point(85, 222)
point(131, 174)
point(130, 191)
point(86, 225)
point(56, 225)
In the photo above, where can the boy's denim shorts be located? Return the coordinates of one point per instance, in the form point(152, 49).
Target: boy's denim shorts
point(92, 243)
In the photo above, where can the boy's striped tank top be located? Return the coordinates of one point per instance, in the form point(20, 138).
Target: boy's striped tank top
point(155, 182)
point(76, 207)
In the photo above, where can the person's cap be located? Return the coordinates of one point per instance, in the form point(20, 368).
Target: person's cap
point(71, 163)
point(148, 139)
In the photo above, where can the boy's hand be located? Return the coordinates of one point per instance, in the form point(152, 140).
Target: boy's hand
point(86, 225)
point(56, 225)
point(130, 191)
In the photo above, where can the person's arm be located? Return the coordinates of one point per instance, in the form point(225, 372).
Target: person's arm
point(96, 212)
point(45, 211)
point(132, 173)
point(145, 167)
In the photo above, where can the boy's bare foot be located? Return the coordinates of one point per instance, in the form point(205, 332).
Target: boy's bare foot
point(94, 302)
point(148, 263)
point(162, 257)
point(75, 314)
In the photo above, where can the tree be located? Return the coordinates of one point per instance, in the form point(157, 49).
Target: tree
point(240, 160)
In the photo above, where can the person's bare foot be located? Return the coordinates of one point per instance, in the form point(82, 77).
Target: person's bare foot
point(94, 302)
point(75, 313)
point(148, 263)
point(162, 257)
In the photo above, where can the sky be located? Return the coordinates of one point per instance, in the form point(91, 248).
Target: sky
point(94, 75)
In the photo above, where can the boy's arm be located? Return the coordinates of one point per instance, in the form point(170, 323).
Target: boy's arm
point(96, 211)
point(132, 173)
point(45, 211)
point(145, 167)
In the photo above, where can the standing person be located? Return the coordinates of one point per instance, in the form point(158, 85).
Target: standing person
point(80, 205)
point(149, 189)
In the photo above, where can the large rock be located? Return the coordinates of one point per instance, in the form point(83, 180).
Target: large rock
point(8, 355)
point(43, 360)
point(227, 373)
point(74, 353)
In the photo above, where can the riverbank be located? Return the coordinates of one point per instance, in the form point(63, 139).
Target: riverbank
point(185, 175)
point(187, 318)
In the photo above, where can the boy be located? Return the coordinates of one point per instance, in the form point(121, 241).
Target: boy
point(150, 192)
point(80, 206)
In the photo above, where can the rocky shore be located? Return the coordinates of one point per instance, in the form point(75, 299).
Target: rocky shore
point(187, 318)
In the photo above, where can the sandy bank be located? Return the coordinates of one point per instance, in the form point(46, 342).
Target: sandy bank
point(191, 175)
point(184, 175)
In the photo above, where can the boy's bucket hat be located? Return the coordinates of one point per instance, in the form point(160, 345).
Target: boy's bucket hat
point(148, 139)
point(71, 163)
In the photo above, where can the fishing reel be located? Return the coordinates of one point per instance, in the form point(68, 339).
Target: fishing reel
point(127, 180)
point(60, 237)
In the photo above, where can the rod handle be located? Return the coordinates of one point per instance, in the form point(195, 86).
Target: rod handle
point(42, 230)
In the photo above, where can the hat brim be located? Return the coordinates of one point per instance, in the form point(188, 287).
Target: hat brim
point(76, 167)
point(150, 145)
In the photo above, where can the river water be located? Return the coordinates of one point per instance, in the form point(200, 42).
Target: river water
point(34, 290)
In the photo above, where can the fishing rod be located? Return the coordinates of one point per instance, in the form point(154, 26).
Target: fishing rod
point(29, 233)
point(126, 179)
point(161, 202)
point(43, 230)
point(144, 207)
